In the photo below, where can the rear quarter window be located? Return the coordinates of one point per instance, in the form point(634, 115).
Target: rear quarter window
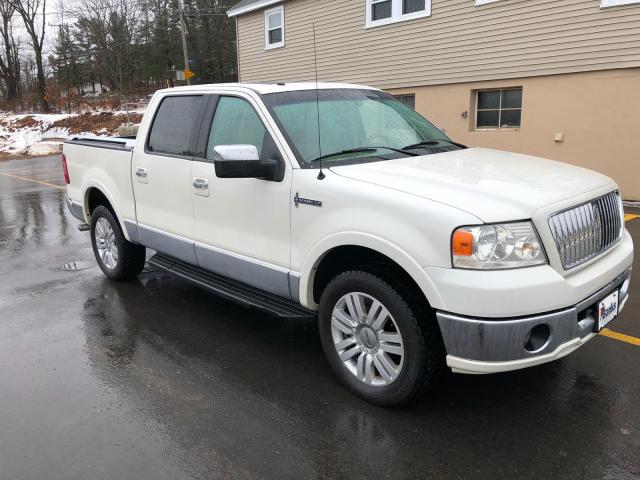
point(173, 127)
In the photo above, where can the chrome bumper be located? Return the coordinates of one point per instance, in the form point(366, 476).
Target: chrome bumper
point(476, 345)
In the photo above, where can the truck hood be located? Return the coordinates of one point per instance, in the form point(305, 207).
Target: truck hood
point(490, 184)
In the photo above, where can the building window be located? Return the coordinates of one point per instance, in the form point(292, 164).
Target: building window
point(383, 12)
point(409, 100)
point(274, 28)
point(615, 3)
point(499, 108)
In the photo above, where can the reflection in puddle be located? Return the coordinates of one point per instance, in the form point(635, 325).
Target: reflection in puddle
point(35, 218)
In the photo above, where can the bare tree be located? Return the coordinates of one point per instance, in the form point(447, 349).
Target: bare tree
point(31, 11)
point(9, 60)
point(108, 32)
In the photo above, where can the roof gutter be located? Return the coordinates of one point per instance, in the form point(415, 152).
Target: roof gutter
point(234, 12)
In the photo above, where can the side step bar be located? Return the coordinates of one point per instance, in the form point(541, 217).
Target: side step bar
point(232, 290)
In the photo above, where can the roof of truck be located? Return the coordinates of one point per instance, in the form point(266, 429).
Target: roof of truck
point(264, 88)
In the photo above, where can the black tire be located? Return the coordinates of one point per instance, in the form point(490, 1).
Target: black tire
point(423, 350)
point(131, 257)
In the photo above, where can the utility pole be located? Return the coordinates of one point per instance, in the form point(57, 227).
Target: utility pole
point(183, 32)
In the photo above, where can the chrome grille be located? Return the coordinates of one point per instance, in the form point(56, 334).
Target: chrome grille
point(587, 230)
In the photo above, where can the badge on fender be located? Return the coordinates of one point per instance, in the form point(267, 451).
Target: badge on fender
point(297, 200)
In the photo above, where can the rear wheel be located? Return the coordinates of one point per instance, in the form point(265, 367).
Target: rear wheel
point(118, 258)
point(380, 347)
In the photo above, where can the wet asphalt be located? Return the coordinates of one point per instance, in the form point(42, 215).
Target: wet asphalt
point(157, 379)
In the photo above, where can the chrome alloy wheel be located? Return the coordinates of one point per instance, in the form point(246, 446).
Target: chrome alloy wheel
point(367, 339)
point(106, 243)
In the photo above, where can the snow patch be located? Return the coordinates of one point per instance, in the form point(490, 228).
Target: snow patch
point(33, 134)
point(23, 134)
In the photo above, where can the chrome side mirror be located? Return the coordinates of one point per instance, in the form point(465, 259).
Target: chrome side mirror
point(236, 153)
point(242, 161)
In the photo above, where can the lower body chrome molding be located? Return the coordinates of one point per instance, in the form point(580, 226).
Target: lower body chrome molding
point(75, 209)
point(270, 278)
point(483, 345)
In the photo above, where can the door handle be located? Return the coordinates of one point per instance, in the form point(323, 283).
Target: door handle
point(200, 183)
point(141, 172)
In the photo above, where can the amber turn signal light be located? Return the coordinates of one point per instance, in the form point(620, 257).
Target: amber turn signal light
point(462, 243)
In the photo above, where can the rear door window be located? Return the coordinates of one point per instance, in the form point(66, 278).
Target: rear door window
point(174, 125)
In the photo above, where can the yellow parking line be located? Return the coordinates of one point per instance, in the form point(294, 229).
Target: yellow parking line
point(620, 336)
point(33, 169)
point(630, 216)
point(32, 180)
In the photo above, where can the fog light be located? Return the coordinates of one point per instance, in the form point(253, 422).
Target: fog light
point(538, 338)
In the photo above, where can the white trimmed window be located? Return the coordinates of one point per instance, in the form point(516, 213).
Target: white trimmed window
point(615, 3)
point(484, 2)
point(383, 12)
point(274, 28)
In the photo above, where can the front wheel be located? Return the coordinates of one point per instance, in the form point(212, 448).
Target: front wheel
point(380, 347)
point(118, 258)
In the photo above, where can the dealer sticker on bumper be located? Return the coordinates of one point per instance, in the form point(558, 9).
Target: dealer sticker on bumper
point(607, 309)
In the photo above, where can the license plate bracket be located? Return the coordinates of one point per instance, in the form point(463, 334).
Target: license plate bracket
point(607, 310)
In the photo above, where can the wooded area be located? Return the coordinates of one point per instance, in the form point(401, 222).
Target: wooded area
point(52, 54)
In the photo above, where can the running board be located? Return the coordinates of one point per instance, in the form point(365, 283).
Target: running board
point(231, 289)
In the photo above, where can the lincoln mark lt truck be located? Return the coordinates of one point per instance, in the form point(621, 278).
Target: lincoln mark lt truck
point(340, 202)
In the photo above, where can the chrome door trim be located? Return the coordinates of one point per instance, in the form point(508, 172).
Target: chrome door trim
point(256, 273)
point(259, 274)
point(168, 243)
point(132, 230)
point(294, 286)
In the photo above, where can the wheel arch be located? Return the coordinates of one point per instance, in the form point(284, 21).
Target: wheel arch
point(97, 194)
point(347, 251)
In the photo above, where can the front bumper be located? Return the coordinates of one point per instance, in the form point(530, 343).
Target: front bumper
point(480, 345)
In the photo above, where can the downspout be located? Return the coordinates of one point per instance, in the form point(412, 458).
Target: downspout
point(237, 50)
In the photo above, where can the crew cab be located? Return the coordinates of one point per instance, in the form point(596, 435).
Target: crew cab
point(339, 202)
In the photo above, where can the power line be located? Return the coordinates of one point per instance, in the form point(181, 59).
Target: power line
point(72, 13)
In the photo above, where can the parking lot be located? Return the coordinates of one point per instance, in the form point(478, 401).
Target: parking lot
point(158, 379)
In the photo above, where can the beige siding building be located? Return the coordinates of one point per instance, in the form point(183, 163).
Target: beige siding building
point(554, 78)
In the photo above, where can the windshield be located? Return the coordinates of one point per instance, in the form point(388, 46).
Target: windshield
point(372, 123)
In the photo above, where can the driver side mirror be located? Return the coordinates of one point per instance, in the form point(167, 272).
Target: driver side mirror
point(242, 161)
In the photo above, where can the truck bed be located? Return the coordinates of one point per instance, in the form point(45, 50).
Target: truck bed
point(105, 163)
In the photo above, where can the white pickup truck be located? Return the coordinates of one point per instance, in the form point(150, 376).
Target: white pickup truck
point(340, 202)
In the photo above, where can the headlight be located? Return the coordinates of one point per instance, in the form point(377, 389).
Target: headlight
point(488, 247)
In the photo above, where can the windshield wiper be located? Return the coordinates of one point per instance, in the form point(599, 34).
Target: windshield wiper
point(362, 150)
point(435, 141)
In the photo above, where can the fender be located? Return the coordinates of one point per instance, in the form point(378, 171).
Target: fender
point(373, 242)
point(92, 183)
